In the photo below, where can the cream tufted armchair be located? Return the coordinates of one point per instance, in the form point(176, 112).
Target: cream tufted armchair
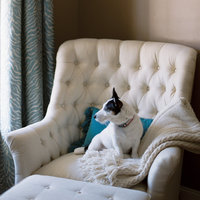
point(148, 75)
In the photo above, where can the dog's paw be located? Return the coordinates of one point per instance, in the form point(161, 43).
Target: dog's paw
point(79, 150)
point(135, 155)
point(120, 155)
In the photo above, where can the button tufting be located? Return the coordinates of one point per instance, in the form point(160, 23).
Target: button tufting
point(68, 83)
point(85, 84)
point(118, 65)
point(158, 68)
point(163, 88)
point(173, 90)
point(139, 67)
point(96, 63)
point(110, 198)
point(76, 62)
point(41, 141)
point(147, 88)
point(136, 110)
point(107, 84)
point(62, 105)
point(79, 192)
point(128, 87)
point(173, 69)
point(50, 134)
point(155, 112)
point(47, 187)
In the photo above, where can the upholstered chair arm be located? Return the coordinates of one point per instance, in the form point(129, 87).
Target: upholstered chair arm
point(36, 145)
point(161, 179)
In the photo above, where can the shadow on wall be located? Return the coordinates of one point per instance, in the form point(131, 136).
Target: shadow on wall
point(112, 19)
point(174, 21)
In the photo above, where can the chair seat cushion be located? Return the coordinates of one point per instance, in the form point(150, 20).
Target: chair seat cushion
point(65, 166)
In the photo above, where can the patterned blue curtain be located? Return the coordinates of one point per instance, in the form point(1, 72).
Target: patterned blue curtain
point(27, 70)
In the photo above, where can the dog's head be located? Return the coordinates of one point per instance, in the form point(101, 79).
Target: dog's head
point(114, 110)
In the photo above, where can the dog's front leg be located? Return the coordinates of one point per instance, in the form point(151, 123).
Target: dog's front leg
point(134, 153)
point(96, 144)
point(117, 146)
point(118, 150)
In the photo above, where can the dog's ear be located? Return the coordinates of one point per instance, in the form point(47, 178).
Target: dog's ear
point(118, 103)
point(115, 96)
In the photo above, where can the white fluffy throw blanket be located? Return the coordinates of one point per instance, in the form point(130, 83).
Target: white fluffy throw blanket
point(176, 125)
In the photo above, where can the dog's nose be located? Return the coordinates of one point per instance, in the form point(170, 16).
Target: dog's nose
point(95, 116)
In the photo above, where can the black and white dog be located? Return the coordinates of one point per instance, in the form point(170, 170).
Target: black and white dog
point(123, 132)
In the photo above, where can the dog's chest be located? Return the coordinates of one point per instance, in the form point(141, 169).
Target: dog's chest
point(124, 138)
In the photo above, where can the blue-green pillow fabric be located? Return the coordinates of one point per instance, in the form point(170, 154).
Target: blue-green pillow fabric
point(94, 128)
point(90, 128)
point(88, 116)
point(85, 126)
point(76, 144)
point(145, 123)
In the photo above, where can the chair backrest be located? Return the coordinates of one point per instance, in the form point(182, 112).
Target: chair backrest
point(148, 75)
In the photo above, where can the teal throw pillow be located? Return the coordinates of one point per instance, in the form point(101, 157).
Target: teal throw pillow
point(94, 128)
point(145, 123)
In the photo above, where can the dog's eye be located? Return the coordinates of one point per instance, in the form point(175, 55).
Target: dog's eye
point(112, 106)
point(109, 106)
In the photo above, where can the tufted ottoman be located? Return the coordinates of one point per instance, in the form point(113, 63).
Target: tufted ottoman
point(50, 188)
